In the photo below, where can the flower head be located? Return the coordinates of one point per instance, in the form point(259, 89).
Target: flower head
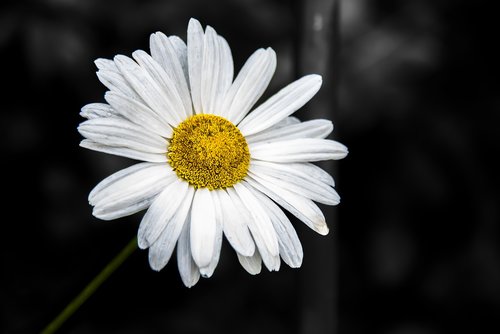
point(211, 166)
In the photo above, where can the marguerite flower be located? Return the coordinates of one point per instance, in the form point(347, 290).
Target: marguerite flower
point(210, 166)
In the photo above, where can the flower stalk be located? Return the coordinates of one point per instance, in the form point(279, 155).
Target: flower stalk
point(90, 289)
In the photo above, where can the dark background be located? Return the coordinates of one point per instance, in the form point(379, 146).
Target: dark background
point(415, 238)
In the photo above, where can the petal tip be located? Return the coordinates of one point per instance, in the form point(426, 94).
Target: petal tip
point(155, 267)
point(98, 62)
point(206, 272)
point(142, 243)
point(190, 282)
point(194, 24)
point(97, 212)
point(323, 229)
point(210, 30)
point(317, 77)
point(271, 51)
point(155, 263)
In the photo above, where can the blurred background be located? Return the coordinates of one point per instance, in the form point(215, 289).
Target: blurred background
point(414, 245)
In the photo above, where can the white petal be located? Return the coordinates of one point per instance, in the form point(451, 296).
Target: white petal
point(115, 82)
point(303, 170)
point(249, 85)
point(129, 190)
point(161, 211)
point(282, 104)
point(120, 132)
point(195, 59)
point(110, 213)
point(298, 150)
point(203, 228)
point(235, 228)
point(126, 180)
point(252, 264)
point(180, 49)
point(301, 207)
point(260, 226)
point(106, 65)
point(209, 270)
point(305, 186)
point(318, 128)
point(210, 72)
point(161, 250)
point(168, 87)
point(217, 72)
point(138, 113)
point(123, 152)
point(289, 243)
point(99, 190)
point(286, 121)
point(97, 110)
point(227, 70)
point(148, 89)
point(187, 267)
point(164, 52)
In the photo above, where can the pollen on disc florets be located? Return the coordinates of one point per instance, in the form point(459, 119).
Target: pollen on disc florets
point(209, 151)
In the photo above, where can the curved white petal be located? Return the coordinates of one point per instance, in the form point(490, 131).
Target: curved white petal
point(149, 90)
point(298, 150)
point(282, 104)
point(124, 152)
point(106, 65)
point(249, 85)
point(128, 177)
point(161, 250)
point(119, 211)
point(216, 72)
point(235, 228)
point(180, 49)
point(318, 128)
point(260, 226)
point(138, 113)
point(168, 87)
point(120, 132)
point(301, 207)
point(187, 267)
point(115, 82)
point(317, 191)
point(195, 51)
point(252, 264)
point(209, 270)
point(97, 110)
point(210, 72)
point(129, 190)
point(290, 247)
point(203, 232)
point(210, 68)
point(226, 72)
point(303, 170)
point(161, 212)
point(165, 53)
point(116, 177)
point(286, 121)
point(110, 76)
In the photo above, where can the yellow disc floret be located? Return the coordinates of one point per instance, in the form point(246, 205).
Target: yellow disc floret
point(209, 151)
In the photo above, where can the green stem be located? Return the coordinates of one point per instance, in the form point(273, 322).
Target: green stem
point(89, 290)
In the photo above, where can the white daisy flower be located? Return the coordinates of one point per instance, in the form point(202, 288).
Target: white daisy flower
point(211, 166)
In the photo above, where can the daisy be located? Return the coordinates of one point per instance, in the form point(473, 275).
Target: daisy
point(211, 166)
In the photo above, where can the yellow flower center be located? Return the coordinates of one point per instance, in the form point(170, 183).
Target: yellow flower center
point(209, 151)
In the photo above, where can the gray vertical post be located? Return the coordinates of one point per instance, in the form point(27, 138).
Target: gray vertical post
point(318, 47)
